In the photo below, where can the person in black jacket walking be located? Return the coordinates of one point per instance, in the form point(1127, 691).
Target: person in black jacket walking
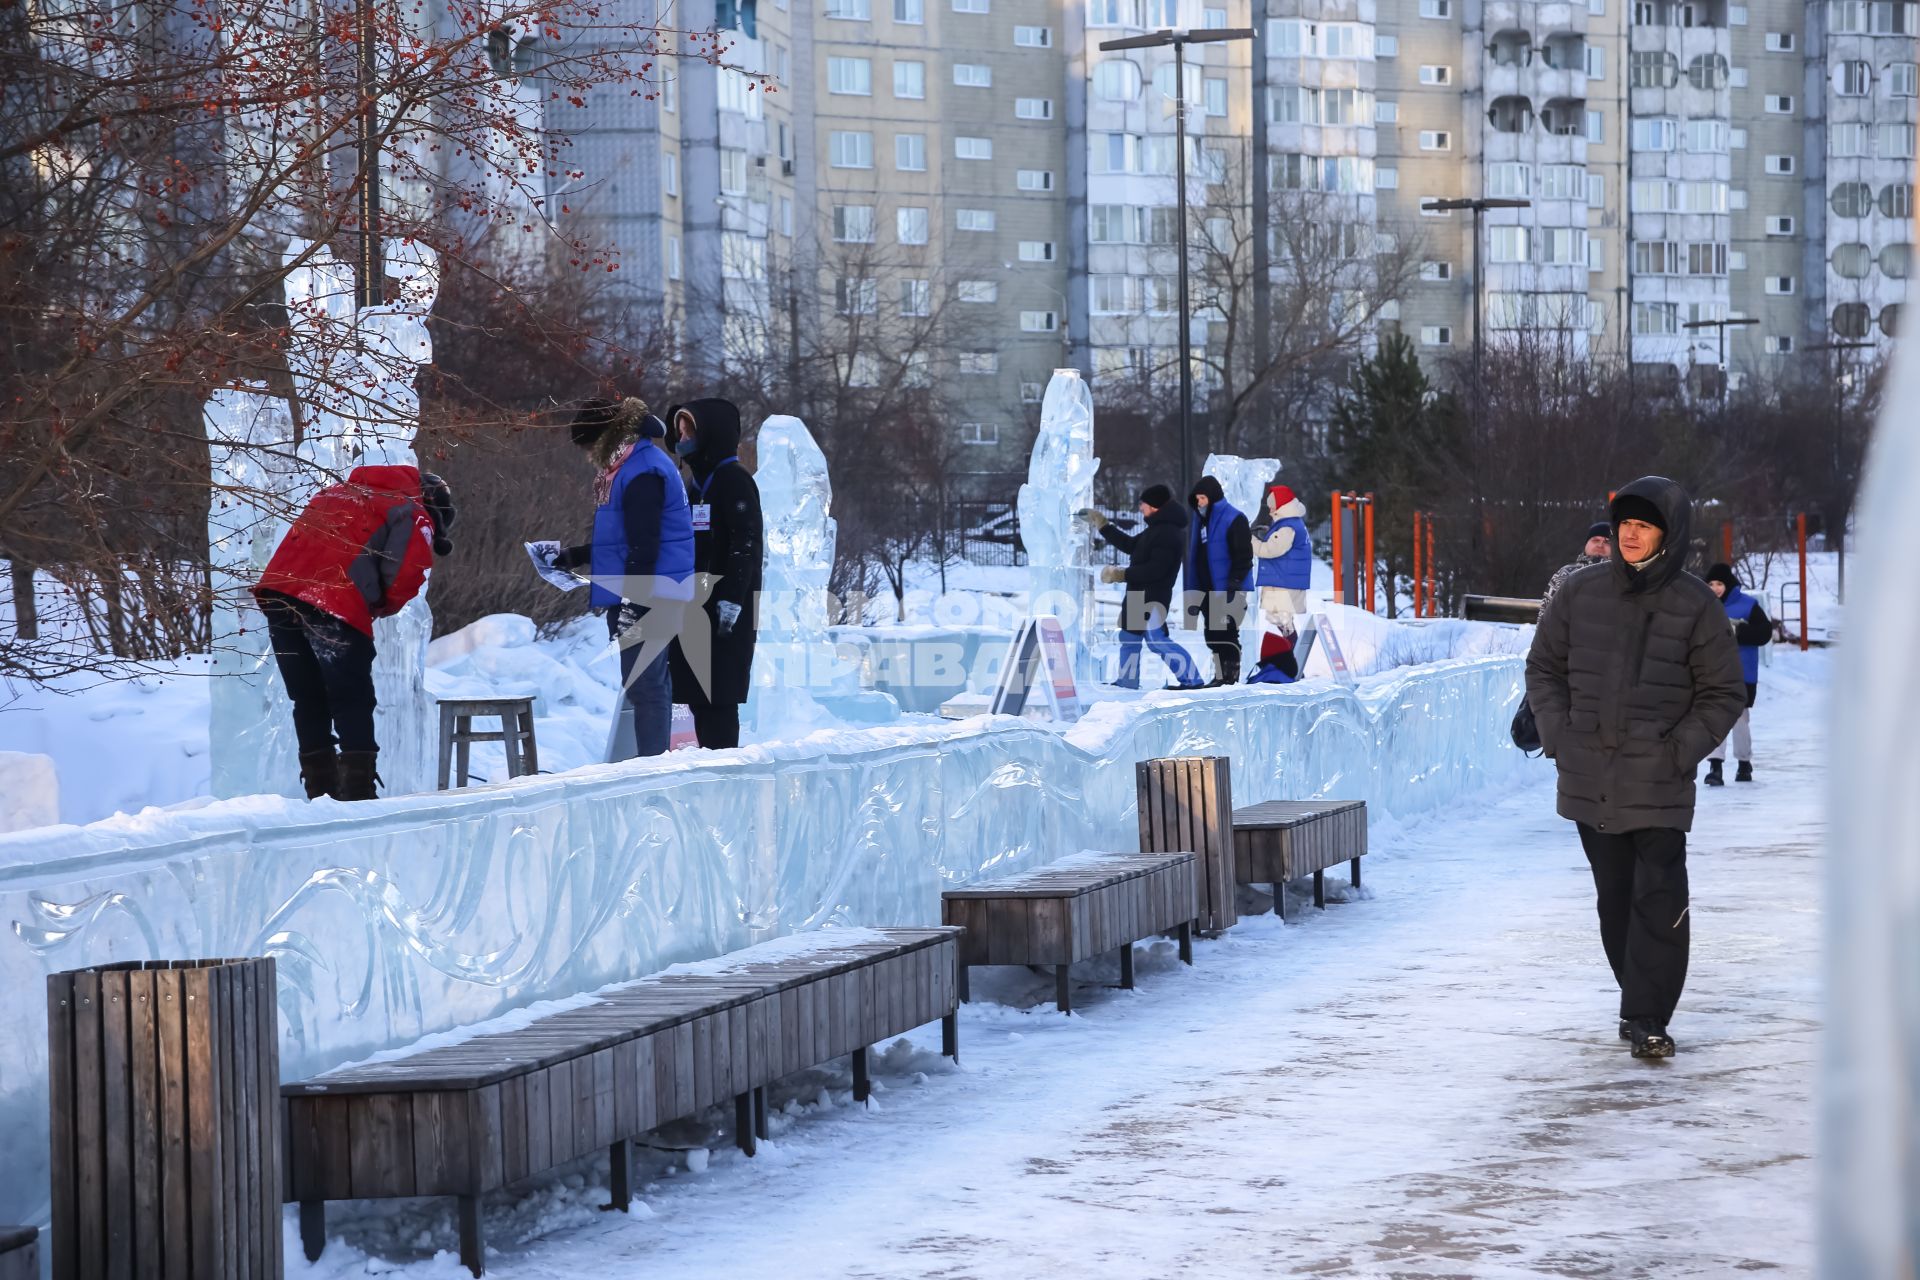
point(1154, 555)
point(728, 554)
point(1633, 677)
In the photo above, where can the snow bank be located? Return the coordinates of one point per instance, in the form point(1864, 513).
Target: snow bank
point(399, 918)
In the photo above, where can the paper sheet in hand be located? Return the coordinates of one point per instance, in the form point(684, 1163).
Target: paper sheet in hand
point(542, 554)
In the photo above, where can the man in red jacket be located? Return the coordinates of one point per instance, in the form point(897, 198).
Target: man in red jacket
point(359, 551)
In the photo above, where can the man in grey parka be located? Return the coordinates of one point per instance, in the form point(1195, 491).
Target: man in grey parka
point(1633, 678)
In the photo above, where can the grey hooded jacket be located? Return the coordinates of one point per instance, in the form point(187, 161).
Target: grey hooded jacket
point(1633, 677)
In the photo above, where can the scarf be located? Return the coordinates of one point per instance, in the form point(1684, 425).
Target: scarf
point(609, 454)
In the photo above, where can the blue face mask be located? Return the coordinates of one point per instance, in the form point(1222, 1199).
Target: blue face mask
point(685, 448)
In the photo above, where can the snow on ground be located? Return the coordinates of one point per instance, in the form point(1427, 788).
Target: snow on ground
point(1425, 1082)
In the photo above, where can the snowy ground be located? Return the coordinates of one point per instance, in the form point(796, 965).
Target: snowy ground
point(1424, 1083)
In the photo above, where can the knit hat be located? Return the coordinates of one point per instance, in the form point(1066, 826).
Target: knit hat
point(1280, 495)
point(1600, 529)
point(1273, 644)
point(1209, 488)
point(438, 500)
point(1631, 506)
point(1156, 495)
point(594, 417)
point(1724, 573)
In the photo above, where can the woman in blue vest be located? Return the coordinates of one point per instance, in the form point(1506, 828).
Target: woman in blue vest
point(1219, 570)
point(1285, 556)
point(640, 562)
point(1751, 629)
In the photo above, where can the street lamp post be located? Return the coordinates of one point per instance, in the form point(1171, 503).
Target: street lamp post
point(1722, 326)
point(1180, 38)
point(1476, 205)
point(1836, 534)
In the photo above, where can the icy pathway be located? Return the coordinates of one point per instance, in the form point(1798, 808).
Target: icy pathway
point(1427, 1083)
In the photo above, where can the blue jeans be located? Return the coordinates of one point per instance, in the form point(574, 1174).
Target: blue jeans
point(650, 693)
point(1179, 661)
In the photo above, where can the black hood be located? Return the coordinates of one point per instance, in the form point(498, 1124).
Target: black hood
point(1677, 509)
point(1208, 486)
point(1172, 514)
point(717, 423)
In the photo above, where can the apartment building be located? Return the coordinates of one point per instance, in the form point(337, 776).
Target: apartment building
point(975, 188)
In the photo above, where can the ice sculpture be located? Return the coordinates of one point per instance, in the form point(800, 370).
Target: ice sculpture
point(1245, 480)
point(354, 372)
point(433, 911)
point(1870, 1173)
point(1059, 483)
point(799, 681)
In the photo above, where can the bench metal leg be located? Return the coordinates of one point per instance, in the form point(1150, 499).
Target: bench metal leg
point(313, 1228)
point(1126, 967)
point(1062, 988)
point(760, 1113)
point(1354, 865)
point(473, 1242)
point(619, 1178)
point(1186, 942)
point(743, 1130)
point(1320, 890)
point(950, 1036)
point(966, 983)
point(862, 1085)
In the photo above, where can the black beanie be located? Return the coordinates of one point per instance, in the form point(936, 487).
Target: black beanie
point(1631, 506)
point(1600, 529)
point(438, 500)
point(1156, 495)
point(1724, 573)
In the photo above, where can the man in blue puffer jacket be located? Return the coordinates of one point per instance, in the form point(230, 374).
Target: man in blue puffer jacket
point(640, 562)
point(1751, 629)
point(1219, 569)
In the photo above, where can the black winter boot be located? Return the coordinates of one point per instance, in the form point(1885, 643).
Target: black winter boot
point(1713, 778)
point(1745, 772)
point(357, 776)
point(1650, 1041)
point(320, 773)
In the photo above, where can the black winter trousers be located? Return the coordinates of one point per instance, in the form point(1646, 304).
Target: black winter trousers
point(1640, 879)
point(1225, 644)
point(327, 667)
point(716, 726)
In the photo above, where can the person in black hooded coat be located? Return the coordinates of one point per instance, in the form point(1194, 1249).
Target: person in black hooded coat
point(728, 553)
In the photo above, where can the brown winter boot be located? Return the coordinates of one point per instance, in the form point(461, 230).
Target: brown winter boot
point(320, 773)
point(357, 776)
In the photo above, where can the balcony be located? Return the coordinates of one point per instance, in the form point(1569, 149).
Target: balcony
point(1512, 113)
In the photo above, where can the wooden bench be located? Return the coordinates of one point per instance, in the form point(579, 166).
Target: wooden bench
point(19, 1253)
point(464, 1119)
point(1282, 840)
point(1082, 906)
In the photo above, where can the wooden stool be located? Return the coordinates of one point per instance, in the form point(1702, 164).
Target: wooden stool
point(457, 735)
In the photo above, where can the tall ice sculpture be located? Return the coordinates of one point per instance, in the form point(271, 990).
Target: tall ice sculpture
point(1244, 480)
point(1059, 483)
point(354, 374)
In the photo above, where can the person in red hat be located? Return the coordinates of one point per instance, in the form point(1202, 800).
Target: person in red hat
point(359, 551)
point(1283, 556)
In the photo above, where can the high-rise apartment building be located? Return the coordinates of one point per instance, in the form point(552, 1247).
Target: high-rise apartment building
point(974, 189)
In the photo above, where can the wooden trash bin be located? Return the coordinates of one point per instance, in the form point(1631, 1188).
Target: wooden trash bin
point(1186, 806)
point(164, 1084)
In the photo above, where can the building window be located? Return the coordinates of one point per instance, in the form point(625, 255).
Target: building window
point(1656, 258)
point(1596, 62)
point(1117, 80)
point(973, 220)
point(1851, 261)
point(1034, 180)
point(1032, 392)
point(1036, 251)
point(850, 10)
point(1436, 75)
point(986, 433)
point(850, 75)
point(1852, 200)
point(1509, 179)
point(1033, 37)
point(916, 297)
point(1780, 286)
point(1781, 225)
point(1901, 79)
point(1214, 96)
point(673, 257)
point(856, 296)
point(1780, 42)
point(977, 291)
point(1896, 200)
point(1777, 344)
point(786, 215)
point(1707, 71)
point(1114, 295)
point(1039, 321)
point(973, 148)
point(1780, 104)
point(1115, 13)
point(1895, 141)
point(1436, 8)
point(733, 171)
point(1656, 318)
point(1386, 111)
point(913, 12)
point(910, 152)
point(1780, 166)
point(1707, 259)
point(1386, 179)
point(973, 75)
point(1851, 319)
point(910, 224)
point(1436, 335)
point(1509, 244)
point(853, 223)
point(1596, 126)
point(1386, 46)
point(1436, 271)
point(850, 150)
point(1653, 70)
point(1896, 261)
point(909, 79)
point(670, 172)
point(979, 362)
point(1853, 79)
point(1033, 108)
point(1436, 140)
point(1707, 136)
point(1654, 134)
